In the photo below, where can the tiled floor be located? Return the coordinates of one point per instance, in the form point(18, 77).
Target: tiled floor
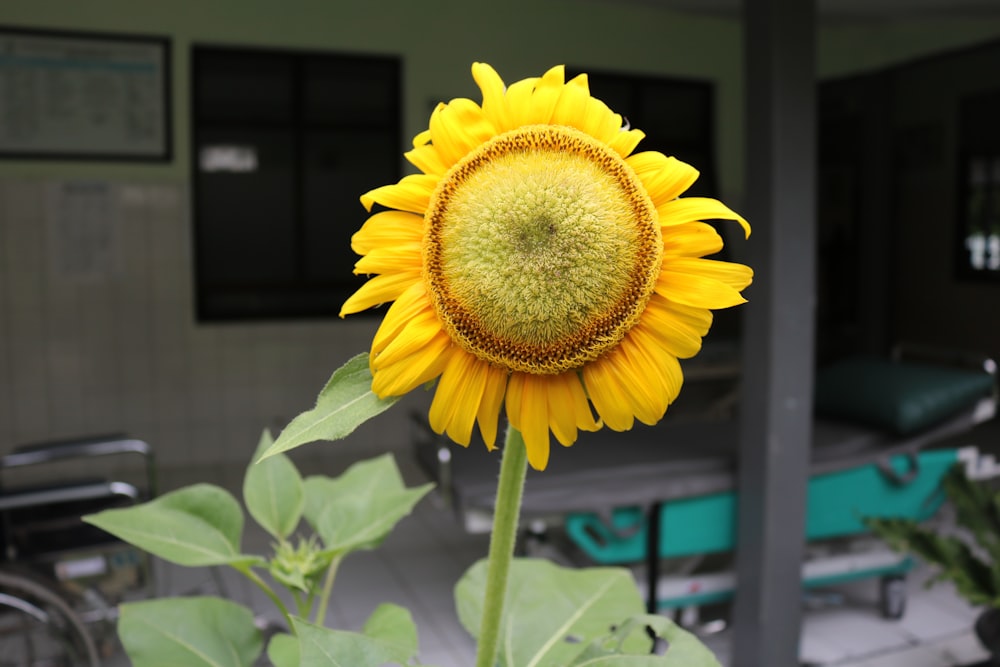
point(420, 562)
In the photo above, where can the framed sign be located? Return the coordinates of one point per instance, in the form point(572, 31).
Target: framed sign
point(84, 96)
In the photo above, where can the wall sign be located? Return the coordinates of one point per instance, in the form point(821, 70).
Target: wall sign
point(84, 95)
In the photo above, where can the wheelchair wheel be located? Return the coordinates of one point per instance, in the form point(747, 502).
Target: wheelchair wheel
point(39, 629)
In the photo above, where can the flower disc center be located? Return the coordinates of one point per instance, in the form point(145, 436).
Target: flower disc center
point(542, 249)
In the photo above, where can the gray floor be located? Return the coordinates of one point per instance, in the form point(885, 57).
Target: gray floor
point(420, 562)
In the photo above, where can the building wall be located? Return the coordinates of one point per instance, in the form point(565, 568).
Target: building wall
point(119, 350)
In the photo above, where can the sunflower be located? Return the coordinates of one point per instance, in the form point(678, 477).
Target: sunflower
point(538, 264)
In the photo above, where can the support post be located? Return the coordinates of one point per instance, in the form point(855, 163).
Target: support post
point(778, 333)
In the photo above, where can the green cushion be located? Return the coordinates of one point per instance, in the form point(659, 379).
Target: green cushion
point(898, 397)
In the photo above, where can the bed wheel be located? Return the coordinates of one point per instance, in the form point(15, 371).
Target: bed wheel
point(892, 597)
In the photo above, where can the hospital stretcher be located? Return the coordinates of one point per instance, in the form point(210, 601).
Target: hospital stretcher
point(667, 493)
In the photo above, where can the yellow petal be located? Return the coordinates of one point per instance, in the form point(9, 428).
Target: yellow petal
point(415, 370)
point(735, 275)
point(416, 333)
point(410, 304)
point(518, 102)
point(428, 160)
point(422, 138)
point(582, 413)
point(412, 193)
point(489, 406)
point(569, 408)
point(661, 366)
point(675, 333)
point(380, 289)
point(457, 128)
point(578, 109)
point(600, 122)
point(694, 239)
point(387, 227)
point(626, 140)
point(562, 417)
point(534, 417)
point(689, 209)
point(512, 399)
point(494, 104)
point(697, 290)
point(609, 399)
point(546, 95)
point(572, 103)
point(665, 178)
point(458, 396)
point(653, 363)
point(387, 259)
point(638, 372)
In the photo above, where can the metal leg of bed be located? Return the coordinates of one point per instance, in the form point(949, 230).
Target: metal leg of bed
point(653, 558)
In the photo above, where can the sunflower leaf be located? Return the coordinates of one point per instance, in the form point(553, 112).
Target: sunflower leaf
point(192, 631)
point(389, 637)
point(283, 650)
point(198, 525)
point(553, 614)
point(358, 509)
point(273, 492)
point(683, 648)
point(346, 402)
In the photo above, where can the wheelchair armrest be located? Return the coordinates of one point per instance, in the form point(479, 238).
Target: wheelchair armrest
point(67, 494)
point(63, 450)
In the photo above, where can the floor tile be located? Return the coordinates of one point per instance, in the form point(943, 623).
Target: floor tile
point(912, 657)
point(962, 650)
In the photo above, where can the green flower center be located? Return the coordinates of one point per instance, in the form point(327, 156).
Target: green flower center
point(542, 249)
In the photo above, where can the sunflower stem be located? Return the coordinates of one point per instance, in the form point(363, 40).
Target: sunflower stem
point(513, 468)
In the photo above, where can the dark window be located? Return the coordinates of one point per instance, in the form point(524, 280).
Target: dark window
point(978, 243)
point(284, 144)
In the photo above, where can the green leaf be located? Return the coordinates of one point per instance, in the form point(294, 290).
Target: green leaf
point(683, 650)
point(552, 613)
point(346, 402)
point(393, 625)
point(194, 632)
point(358, 509)
point(273, 491)
point(389, 637)
point(198, 525)
point(283, 651)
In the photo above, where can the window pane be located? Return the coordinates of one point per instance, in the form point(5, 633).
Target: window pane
point(339, 167)
point(239, 85)
point(350, 91)
point(245, 236)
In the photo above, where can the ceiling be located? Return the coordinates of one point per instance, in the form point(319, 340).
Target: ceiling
point(853, 9)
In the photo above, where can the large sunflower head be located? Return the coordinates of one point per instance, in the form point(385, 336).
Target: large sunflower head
point(538, 264)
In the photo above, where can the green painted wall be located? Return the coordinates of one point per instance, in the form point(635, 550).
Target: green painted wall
point(438, 40)
point(848, 48)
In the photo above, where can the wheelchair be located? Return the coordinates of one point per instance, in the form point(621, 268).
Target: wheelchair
point(61, 580)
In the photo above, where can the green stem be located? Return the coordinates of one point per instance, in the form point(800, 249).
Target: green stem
point(262, 585)
point(301, 603)
point(324, 599)
point(513, 468)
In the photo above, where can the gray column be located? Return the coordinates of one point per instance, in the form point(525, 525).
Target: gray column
point(776, 412)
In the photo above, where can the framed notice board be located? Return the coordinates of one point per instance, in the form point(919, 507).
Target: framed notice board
point(74, 95)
